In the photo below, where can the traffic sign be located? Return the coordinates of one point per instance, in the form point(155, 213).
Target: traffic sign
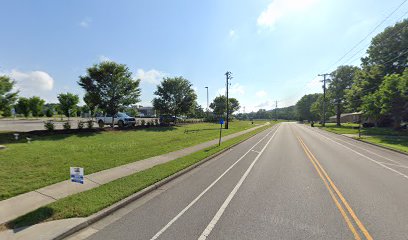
point(77, 174)
point(221, 121)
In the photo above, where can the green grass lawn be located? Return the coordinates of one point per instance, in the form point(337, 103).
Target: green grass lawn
point(86, 203)
point(383, 136)
point(25, 167)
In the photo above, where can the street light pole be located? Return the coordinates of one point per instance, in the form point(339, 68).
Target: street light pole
point(207, 101)
point(228, 77)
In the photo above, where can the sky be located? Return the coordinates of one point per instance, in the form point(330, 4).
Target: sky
point(274, 48)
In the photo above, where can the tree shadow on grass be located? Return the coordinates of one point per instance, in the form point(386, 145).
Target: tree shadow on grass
point(40, 215)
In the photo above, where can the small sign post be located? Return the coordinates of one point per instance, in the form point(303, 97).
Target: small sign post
point(221, 122)
point(77, 174)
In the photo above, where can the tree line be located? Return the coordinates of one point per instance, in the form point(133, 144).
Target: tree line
point(110, 88)
point(378, 88)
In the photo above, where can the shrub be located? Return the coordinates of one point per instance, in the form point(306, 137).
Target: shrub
point(49, 112)
point(142, 122)
point(66, 125)
point(81, 125)
point(156, 122)
point(90, 124)
point(148, 124)
point(49, 125)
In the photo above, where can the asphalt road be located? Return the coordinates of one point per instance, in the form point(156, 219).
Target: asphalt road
point(26, 125)
point(289, 182)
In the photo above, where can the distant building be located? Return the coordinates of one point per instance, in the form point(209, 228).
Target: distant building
point(146, 111)
point(347, 117)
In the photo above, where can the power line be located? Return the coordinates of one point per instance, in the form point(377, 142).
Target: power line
point(365, 46)
point(351, 59)
point(371, 32)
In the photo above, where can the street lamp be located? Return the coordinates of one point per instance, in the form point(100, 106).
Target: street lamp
point(207, 101)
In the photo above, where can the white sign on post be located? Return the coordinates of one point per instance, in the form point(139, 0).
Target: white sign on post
point(77, 174)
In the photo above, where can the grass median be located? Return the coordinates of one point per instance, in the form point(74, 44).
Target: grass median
point(46, 160)
point(86, 203)
point(386, 137)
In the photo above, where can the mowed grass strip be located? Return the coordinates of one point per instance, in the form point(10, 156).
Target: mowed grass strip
point(382, 136)
point(26, 167)
point(86, 203)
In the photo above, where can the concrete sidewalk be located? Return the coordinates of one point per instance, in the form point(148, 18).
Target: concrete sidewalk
point(19, 205)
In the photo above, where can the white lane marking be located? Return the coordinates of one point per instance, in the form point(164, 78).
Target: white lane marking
point(255, 151)
point(218, 215)
point(378, 155)
point(397, 165)
point(208, 188)
point(372, 160)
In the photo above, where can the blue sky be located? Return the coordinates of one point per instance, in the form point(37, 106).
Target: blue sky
point(275, 49)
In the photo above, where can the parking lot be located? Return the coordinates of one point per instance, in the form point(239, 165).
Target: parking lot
point(26, 125)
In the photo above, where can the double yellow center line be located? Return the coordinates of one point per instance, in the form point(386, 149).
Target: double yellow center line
point(336, 195)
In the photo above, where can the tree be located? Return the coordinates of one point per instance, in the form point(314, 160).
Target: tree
point(23, 106)
point(389, 49)
point(371, 107)
point(263, 114)
point(68, 103)
point(36, 105)
point(393, 94)
point(110, 86)
point(386, 55)
point(287, 113)
point(175, 96)
point(7, 97)
point(219, 105)
point(366, 81)
point(197, 111)
point(316, 109)
point(91, 101)
point(303, 107)
point(342, 79)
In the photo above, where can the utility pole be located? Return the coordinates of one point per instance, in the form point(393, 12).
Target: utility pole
point(324, 96)
point(207, 101)
point(276, 110)
point(228, 77)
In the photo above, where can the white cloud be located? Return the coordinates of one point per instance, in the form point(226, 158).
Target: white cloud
point(85, 23)
point(232, 34)
point(152, 76)
point(268, 104)
point(278, 9)
point(103, 58)
point(261, 94)
point(35, 83)
point(234, 89)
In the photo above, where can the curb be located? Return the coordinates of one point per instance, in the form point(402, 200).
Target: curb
point(109, 210)
point(374, 144)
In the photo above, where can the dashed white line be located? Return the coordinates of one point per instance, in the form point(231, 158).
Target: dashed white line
point(218, 215)
point(157, 235)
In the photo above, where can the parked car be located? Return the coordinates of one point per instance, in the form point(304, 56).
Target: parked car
point(120, 119)
point(167, 119)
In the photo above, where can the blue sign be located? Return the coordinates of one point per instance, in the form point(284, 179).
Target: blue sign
point(221, 121)
point(77, 174)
